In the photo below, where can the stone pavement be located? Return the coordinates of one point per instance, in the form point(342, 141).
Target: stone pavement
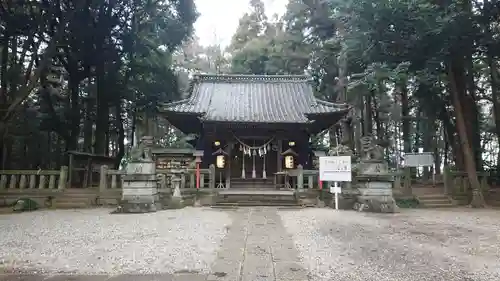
point(257, 248)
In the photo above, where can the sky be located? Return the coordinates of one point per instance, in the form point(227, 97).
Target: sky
point(218, 19)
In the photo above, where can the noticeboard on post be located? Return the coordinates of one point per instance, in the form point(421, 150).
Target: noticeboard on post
point(422, 159)
point(335, 168)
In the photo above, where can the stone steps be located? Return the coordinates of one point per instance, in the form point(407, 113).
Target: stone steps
point(71, 205)
point(252, 183)
point(69, 202)
point(255, 203)
point(85, 198)
point(435, 201)
point(256, 197)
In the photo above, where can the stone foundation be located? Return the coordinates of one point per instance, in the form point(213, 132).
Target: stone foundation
point(375, 196)
point(136, 207)
point(190, 197)
point(139, 190)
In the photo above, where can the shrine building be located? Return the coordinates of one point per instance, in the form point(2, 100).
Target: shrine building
point(252, 127)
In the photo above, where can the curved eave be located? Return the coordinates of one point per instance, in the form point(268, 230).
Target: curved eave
point(186, 122)
point(324, 120)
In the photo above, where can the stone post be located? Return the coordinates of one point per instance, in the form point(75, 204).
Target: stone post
point(484, 183)
point(23, 181)
point(407, 181)
point(300, 177)
point(176, 183)
point(447, 180)
point(211, 183)
point(103, 178)
point(3, 181)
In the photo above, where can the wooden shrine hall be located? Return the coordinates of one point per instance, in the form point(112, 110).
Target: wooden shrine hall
point(253, 127)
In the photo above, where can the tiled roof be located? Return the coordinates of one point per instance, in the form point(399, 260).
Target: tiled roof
point(253, 98)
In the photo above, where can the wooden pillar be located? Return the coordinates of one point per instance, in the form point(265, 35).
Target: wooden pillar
point(229, 149)
point(242, 165)
point(264, 172)
point(254, 173)
point(279, 157)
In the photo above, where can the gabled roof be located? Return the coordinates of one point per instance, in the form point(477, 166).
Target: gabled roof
point(253, 99)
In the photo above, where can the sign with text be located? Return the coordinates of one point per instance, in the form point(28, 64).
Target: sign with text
point(424, 159)
point(335, 168)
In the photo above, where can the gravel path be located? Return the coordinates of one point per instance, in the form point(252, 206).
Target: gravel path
point(97, 242)
point(449, 245)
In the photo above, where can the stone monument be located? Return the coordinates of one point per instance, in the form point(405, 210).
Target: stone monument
point(176, 201)
point(373, 180)
point(139, 190)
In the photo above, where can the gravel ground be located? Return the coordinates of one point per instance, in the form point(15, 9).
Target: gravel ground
point(448, 245)
point(97, 242)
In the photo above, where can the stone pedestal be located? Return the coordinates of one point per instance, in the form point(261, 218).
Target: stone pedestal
point(139, 190)
point(374, 187)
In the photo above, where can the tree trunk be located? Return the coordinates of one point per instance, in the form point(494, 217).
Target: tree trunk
point(457, 94)
point(495, 93)
point(451, 140)
point(121, 133)
point(341, 89)
point(102, 118)
point(379, 129)
point(88, 124)
point(405, 116)
point(368, 124)
point(75, 115)
point(3, 96)
point(438, 146)
point(3, 71)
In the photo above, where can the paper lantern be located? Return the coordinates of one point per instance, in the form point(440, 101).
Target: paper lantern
point(220, 161)
point(289, 162)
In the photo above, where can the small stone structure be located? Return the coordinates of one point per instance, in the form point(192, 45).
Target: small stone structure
point(176, 201)
point(139, 190)
point(373, 180)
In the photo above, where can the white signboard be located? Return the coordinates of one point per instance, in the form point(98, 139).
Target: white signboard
point(335, 168)
point(424, 159)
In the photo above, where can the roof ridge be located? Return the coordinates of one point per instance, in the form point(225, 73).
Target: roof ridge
point(252, 78)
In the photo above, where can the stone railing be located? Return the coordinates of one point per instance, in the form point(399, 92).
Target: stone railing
point(15, 180)
point(457, 182)
point(111, 179)
point(454, 182)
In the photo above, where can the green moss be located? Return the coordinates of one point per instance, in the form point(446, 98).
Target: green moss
point(24, 204)
point(408, 203)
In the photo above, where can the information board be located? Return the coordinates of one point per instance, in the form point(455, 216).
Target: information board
point(335, 168)
point(424, 159)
